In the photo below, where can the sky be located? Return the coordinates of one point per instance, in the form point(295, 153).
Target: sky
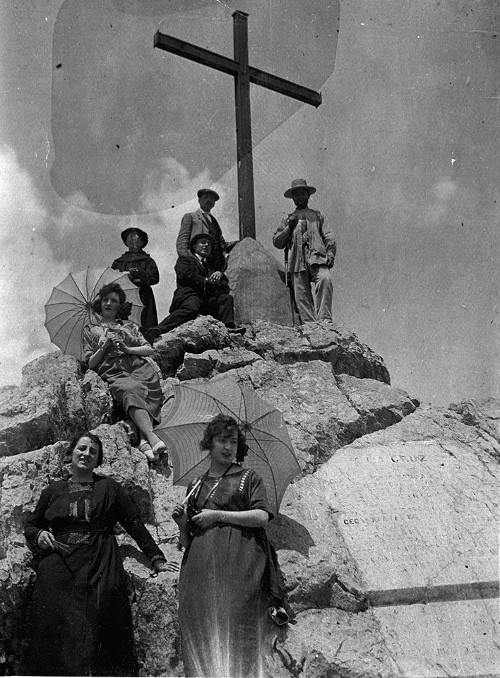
point(100, 131)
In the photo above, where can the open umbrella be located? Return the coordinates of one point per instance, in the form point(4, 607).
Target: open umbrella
point(69, 307)
point(270, 451)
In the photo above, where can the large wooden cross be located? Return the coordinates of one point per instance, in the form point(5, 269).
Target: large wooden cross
point(243, 75)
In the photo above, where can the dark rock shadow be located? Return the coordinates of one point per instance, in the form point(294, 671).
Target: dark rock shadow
point(142, 499)
point(286, 533)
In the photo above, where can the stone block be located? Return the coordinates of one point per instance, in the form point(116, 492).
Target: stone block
point(256, 286)
point(232, 357)
point(331, 643)
point(196, 336)
point(196, 366)
point(379, 404)
point(420, 521)
point(346, 353)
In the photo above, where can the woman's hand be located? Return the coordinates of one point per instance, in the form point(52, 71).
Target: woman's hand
point(179, 515)
point(120, 346)
point(108, 343)
point(46, 540)
point(206, 518)
point(98, 356)
point(163, 566)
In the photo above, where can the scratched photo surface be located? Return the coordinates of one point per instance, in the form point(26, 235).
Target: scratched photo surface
point(101, 130)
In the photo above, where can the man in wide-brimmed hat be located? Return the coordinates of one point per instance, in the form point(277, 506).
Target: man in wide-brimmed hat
point(310, 250)
point(199, 291)
point(202, 221)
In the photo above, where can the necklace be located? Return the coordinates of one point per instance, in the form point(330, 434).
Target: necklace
point(212, 491)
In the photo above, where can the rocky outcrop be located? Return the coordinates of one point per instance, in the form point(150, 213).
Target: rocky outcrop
point(208, 339)
point(484, 416)
point(332, 642)
point(339, 408)
point(47, 406)
point(406, 520)
point(56, 397)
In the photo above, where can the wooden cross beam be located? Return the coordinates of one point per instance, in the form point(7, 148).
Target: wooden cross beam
point(243, 75)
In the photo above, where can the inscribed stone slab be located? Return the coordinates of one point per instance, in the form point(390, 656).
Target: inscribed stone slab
point(420, 520)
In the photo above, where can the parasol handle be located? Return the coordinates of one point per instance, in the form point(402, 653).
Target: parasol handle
point(195, 486)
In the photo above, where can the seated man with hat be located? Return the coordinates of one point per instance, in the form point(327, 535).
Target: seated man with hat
point(310, 252)
point(199, 291)
point(142, 271)
point(202, 221)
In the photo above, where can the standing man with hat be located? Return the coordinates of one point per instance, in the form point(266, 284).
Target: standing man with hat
point(311, 251)
point(199, 291)
point(142, 271)
point(201, 221)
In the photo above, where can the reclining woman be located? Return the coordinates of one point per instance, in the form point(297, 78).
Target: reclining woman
point(117, 351)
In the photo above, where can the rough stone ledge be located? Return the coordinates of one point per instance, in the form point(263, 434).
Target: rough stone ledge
point(196, 336)
point(321, 340)
point(483, 415)
point(210, 363)
point(323, 411)
point(331, 643)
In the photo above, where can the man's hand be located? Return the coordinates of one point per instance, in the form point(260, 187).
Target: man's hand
point(216, 277)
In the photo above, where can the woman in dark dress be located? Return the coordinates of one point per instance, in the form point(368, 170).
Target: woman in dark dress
point(224, 587)
point(118, 352)
point(143, 272)
point(80, 621)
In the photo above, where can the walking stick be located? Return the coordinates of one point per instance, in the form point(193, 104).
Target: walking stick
point(289, 284)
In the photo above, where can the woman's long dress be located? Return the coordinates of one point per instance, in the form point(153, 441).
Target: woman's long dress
point(147, 275)
point(223, 599)
point(132, 380)
point(80, 620)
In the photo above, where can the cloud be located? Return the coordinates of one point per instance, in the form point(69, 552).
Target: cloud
point(444, 193)
point(171, 185)
point(27, 269)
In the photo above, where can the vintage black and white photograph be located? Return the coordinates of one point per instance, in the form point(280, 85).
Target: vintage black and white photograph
point(250, 356)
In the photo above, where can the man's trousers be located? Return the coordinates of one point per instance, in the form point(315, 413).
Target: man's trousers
point(220, 307)
point(317, 304)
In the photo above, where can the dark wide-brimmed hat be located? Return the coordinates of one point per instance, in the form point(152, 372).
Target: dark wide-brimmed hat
point(298, 183)
point(197, 237)
point(204, 191)
point(142, 234)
